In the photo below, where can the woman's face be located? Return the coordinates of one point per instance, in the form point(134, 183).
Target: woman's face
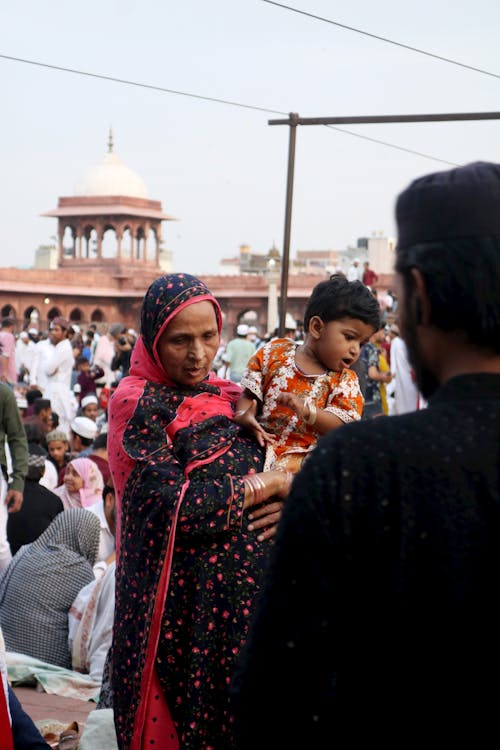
point(72, 479)
point(189, 343)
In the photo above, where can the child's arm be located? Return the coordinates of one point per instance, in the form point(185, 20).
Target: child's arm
point(246, 416)
point(96, 372)
point(323, 421)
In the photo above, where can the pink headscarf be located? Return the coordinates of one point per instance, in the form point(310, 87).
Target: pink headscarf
point(93, 484)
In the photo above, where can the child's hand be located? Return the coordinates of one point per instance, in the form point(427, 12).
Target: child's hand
point(295, 403)
point(247, 418)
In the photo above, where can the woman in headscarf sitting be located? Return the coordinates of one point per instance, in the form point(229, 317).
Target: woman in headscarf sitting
point(190, 559)
point(41, 583)
point(83, 484)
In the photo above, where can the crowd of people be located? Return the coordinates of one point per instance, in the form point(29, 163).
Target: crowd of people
point(285, 542)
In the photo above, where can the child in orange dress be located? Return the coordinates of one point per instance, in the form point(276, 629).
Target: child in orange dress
point(294, 393)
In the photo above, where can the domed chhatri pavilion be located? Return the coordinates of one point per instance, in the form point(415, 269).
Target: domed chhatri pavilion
point(110, 222)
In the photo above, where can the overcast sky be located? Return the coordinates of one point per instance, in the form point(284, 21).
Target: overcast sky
point(221, 169)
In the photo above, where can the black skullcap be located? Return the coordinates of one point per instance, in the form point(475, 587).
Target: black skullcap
point(462, 202)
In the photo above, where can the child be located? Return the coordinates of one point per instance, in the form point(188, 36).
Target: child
point(59, 452)
point(293, 392)
point(87, 376)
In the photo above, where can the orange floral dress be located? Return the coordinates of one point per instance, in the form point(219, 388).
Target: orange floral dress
point(271, 371)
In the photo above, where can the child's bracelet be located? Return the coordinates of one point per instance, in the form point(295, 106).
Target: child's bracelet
point(239, 413)
point(313, 413)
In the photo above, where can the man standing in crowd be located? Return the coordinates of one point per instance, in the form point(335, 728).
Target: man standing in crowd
point(8, 373)
point(14, 466)
point(354, 271)
point(42, 353)
point(369, 276)
point(379, 619)
point(25, 348)
point(406, 396)
point(58, 370)
point(238, 352)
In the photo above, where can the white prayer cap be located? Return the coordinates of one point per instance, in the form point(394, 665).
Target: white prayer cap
point(84, 427)
point(90, 398)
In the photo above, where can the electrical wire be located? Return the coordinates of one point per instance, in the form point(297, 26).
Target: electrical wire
point(165, 90)
point(392, 145)
point(139, 84)
point(382, 38)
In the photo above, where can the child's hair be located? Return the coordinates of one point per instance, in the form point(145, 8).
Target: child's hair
point(81, 361)
point(338, 298)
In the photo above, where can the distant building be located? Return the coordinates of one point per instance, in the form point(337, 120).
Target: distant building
point(315, 261)
point(110, 223)
point(249, 262)
point(47, 256)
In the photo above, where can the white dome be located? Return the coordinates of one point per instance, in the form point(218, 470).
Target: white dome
point(111, 177)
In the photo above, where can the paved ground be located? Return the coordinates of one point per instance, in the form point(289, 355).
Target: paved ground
point(40, 705)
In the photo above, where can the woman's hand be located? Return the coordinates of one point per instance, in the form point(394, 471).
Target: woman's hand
point(266, 518)
point(262, 493)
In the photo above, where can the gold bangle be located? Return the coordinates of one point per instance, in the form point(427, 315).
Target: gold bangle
point(258, 488)
point(249, 486)
point(313, 413)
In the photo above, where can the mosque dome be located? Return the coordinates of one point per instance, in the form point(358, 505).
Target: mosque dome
point(111, 177)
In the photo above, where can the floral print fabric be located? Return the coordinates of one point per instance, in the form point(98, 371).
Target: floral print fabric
point(273, 371)
point(187, 570)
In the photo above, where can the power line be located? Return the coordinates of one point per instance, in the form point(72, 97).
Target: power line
point(139, 84)
point(382, 38)
point(165, 90)
point(392, 145)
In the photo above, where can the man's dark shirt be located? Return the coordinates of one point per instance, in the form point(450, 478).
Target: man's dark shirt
point(379, 621)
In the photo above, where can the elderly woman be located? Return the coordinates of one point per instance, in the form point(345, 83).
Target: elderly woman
point(41, 583)
point(189, 558)
point(83, 484)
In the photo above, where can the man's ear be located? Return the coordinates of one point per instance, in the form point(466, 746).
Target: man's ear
point(420, 303)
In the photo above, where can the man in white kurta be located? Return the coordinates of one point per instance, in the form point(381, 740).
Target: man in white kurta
point(42, 354)
point(406, 396)
point(58, 371)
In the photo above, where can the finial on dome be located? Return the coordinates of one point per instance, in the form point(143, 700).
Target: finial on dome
point(110, 141)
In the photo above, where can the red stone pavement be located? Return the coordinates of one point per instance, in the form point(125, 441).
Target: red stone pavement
point(40, 705)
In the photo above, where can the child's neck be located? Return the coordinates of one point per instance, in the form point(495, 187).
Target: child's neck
point(307, 361)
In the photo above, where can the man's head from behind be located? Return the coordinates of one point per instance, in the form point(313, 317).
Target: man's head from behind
point(448, 261)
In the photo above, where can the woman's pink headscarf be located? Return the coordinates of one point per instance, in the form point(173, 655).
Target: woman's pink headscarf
point(93, 484)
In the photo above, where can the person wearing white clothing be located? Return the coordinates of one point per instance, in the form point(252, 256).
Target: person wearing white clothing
point(58, 371)
point(105, 511)
point(42, 353)
point(105, 352)
point(406, 396)
point(354, 272)
point(25, 349)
